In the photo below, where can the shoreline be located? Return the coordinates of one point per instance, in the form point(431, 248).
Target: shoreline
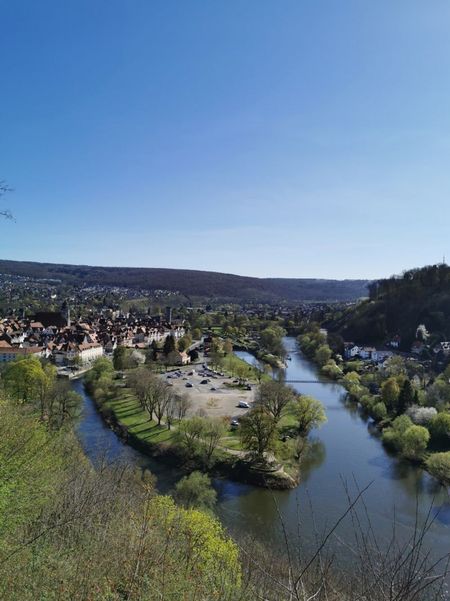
point(380, 426)
point(231, 467)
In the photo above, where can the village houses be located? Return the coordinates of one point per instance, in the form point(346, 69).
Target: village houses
point(53, 335)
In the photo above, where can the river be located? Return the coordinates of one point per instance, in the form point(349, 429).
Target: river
point(345, 450)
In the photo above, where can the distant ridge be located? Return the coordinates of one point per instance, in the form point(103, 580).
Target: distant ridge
point(194, 283)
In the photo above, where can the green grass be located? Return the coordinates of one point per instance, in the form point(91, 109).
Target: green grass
point(232, 441)
point(128, 411)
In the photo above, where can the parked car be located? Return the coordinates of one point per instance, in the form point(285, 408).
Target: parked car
point(204, 382)
point(248, 387)
point(213, 388)
point(243, 405)
point(234, 423)
point(188, 385)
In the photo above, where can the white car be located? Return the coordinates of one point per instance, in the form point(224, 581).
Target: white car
point(243, 405)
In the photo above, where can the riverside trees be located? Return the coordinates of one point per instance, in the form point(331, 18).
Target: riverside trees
point(275, 403)
point(34, 383)
point(104, 534)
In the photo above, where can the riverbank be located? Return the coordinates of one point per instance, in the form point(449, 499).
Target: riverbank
point(260, 355)
point(343, 450)
point(413, 421)
point(122, 413)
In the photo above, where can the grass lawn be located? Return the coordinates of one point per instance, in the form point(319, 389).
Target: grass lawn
point(232, 441)
point(129, 412)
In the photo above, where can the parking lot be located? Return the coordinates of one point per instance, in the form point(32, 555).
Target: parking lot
point(209, 392)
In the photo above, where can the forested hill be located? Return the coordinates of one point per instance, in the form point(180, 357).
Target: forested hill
point(400, 304)
point(194, 283)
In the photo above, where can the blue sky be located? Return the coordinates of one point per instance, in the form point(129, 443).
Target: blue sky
point(291, 138)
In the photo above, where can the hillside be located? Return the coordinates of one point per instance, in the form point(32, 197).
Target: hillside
point(194, 283)
point(400, 304)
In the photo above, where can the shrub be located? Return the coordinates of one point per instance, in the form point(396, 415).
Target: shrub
point(367, 402)
point(393, 436)
point(440, 430)
point(421, 415)
point(438, 465)
point(393, 439)
point(195, 490)
point(332, 370)
point(415, 441)
point(379, 411)
point(402, 423)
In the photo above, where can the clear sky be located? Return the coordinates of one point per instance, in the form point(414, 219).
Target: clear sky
point(294, 138)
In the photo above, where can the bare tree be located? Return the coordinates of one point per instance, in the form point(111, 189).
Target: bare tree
point(396, 569)
point(213, 430)
point(163, 397)
point(146, 387)
point(274, 396)
point(183, 404)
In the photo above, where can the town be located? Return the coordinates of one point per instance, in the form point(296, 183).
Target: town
point(66, 342)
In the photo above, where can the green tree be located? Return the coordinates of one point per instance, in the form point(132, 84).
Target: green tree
point(390, 392)
point(415, 441)
point(184, 343)
point(170, 345)
point(195, 491)
point(309, 413)
point(196, 333)
point(438, 464)
point(440, 430)
point(406, 397)
point(257, 431)
point(101, 367)
point(26, 380)
point(122, 358)
point(189, 433)
point(323, 354)
point(379, 411)
point(393, 436)
point(228, 347)
point(213, 430)
point(272, 340)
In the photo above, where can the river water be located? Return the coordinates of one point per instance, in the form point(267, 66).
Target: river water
point(346, 453)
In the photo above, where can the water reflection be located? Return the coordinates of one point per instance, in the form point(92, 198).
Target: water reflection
point(347, 451)
point(314, 456)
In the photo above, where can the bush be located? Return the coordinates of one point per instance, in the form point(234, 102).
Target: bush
point(379, 411)
point(195, 490)
point(368, 402)
point(392, 439)
point(440, 430)
point(393, 436)
point(415, 441)
point(402, 423)
point(421, 415)
point(438, 465)
point(332, 370)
